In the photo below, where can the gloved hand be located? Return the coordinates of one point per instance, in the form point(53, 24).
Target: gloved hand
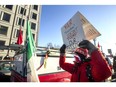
point(63, 49)
point(87, 45)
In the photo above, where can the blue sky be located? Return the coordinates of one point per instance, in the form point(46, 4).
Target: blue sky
point(102, 17)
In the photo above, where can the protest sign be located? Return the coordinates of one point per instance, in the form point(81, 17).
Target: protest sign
point(78, 28)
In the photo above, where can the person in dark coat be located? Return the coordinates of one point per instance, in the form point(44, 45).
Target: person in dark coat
point(86, 69)
point(114, 63)
point(114, 68)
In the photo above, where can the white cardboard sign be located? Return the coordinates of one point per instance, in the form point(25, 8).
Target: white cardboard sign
point(77, 29)
point(72, 32)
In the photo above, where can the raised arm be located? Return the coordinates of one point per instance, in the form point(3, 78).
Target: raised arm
point(66, 66)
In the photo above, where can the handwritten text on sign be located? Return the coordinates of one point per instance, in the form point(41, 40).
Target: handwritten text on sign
point(72, 32)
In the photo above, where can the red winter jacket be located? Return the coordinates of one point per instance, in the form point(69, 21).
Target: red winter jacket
point(100, 69)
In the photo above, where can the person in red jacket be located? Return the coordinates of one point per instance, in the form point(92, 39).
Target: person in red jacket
point(86, 69)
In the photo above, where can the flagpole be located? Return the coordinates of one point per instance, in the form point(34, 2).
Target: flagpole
point(25, 44)
point(24, 58)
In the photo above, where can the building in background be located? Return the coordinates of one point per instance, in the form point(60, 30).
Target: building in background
point(14, 17)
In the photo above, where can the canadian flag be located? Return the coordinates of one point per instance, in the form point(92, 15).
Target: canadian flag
point(20, 37)
point(98, 45)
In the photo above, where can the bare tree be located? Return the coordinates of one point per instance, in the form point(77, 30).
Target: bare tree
point(50, 45)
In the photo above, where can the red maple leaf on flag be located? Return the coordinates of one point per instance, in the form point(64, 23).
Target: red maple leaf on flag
point(98, 45)
point(20, 37)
